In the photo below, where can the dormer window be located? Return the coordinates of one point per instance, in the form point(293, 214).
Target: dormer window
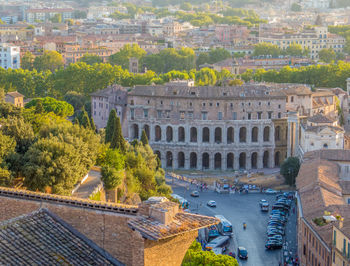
point(193, 93)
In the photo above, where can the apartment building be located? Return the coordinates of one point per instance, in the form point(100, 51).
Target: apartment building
point(9, 56)
point(33, 15)
point(312, 39)
point(323, 208)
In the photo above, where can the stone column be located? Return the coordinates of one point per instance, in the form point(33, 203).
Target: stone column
point(224, 161)
point(260, 160)
point(163, 138)
point(163, 160)
point(249, 134)
point(248, 162)
point(175, 134)
point(187, 160)
point(236, 161)
point(224, 135)
point(199, 161)
point(271, 158)
point(151, 133)
point(199, 135)
point(272, 134)
point(211, 161)
point(236, 134)
point(261, 134)
point(212, 135)
point(140, 131)
point(187, 133)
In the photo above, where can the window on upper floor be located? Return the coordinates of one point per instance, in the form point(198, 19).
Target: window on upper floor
point(204, 115)
point(145, 113)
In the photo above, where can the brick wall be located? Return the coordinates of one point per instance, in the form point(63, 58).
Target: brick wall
point(108, 230)
point(170, 251)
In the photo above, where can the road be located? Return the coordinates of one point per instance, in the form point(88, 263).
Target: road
point(239, 208)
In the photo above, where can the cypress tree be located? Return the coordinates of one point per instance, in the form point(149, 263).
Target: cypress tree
point(93, 126)
point(76, 121)
point(84, 120)
point(111, 126)
point(119, 137)
point(39, 109)
point(144, 138)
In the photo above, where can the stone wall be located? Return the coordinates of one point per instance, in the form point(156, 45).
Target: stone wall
point(170, 251)
point(108, 230)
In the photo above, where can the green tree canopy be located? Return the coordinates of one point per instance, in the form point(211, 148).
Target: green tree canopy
point(122, 57)
point(144, 139)
point(196, 256)
point(267, 49)
point(295, 7)
point(327, 55)
point(50, 60)
point(91, 59)
point(60, 108)
point(27, 60)
point(294, 50)
point(290, 169)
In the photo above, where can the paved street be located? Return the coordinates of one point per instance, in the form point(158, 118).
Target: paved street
point(239, 208)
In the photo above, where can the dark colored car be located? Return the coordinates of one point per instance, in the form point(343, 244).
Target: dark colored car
point(242, 253)
point(273, 244)
point(195, 194)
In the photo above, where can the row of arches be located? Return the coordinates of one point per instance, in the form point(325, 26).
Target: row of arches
point(217, 160)
point(218, 136)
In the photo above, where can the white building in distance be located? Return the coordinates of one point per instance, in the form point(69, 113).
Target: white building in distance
point(9, 56)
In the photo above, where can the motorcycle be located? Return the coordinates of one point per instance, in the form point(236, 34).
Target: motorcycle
point(244, 226)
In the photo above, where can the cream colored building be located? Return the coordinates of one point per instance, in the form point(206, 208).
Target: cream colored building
point(312, 39)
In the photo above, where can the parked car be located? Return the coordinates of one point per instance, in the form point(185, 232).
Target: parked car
point(264, 207)
point(263, 201)
point(275, 237)
point(242, 253)
point(273, 244)
point(270, 191)
point(211, 203)
point(195, 194)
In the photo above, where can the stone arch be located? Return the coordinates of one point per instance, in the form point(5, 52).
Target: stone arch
point(181, 160)
point(242, 134)
point(193, 160)
point(267, 133)
point(255, 132)
point(277, 133)
point(193, 134)
point(169, 134)
point(266, 159)
point(169, 159)
point(230, 160)
point(254, 160)
point(205, 134)
point(230, 135)
point(135, 131)
point(181, 134)
point(218, 135)
point(146, 129)
point(217, 160)
point(277, 158)
point(205, 160)
point(158, 133)
point(242, 160)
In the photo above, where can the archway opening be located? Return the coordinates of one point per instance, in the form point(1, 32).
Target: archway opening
point(205, 160)
point(193, 160)
point(254, 159)
point(146, 129)
point(181, 134)
point(267, 134)
point(169, 134)
point(193, 134)
point(255, 134)
point(242, 134)
point(206, 135)
point(230, 135)
point(218, 135)
point(277, 133)
point(181, 159)
point(217, 161)
point(230, 158)
point(277, 159)
point(242, 160)
point(135, 131)
point(158, 133)
point(169, 159)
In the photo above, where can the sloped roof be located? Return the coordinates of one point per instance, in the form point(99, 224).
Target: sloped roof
point(318, 129)
point(328, 154)
point(182, 222)
point(14, 94)
point(320, 118)
point(41, 238)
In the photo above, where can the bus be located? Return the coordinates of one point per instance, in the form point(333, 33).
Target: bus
point(220, 241)
point(183, 202)
point(225, 227)
point(213, 231)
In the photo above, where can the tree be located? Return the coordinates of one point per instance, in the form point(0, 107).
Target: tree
point(57, 18)
point(267, 49)
point(2, 95)
point(90, 59)
point(196, 256)
point(290, 169)
point(7, 145)
point(39, 109)
point(122, 57)
point(60, 108)
point(295, 7)
point(84, 119)
point(27, 61)
point(111, 177)
point(318, 21)
point(111, 126)
point(218, 54)
point(50, 60)
point(118, 138)
point(186, 6)
point(294, 50)
point(144, 138)
point(327, 55)
point(203, 58)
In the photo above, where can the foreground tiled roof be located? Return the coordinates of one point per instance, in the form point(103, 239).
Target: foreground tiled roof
point(328, 154)
point(320, 118)
point(68, 201)
point(40, 238)
point(15, 94)
point(182, 222)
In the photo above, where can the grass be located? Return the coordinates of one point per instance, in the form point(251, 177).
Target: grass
point(96, 196)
